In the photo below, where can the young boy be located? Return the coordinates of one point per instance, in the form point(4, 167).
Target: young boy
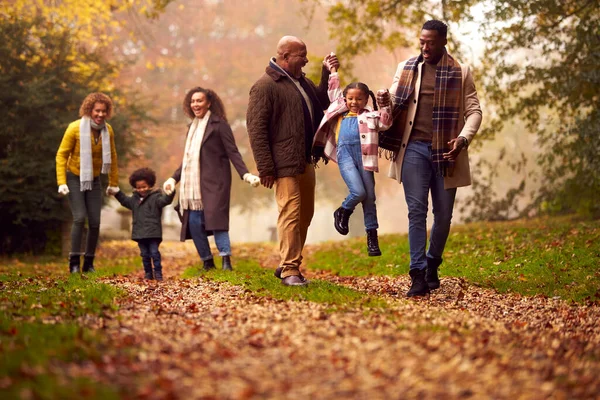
point(146, 203)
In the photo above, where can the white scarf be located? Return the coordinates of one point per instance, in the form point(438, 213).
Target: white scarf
point(190, 197)
point(86, 165)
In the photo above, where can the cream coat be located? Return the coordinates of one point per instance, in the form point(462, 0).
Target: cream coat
point(469, 123)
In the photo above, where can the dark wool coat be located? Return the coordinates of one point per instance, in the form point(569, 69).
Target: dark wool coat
point(275, 123)
point(217, 150)
point(147, 214)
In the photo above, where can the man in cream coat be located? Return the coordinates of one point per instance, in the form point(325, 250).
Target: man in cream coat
point(436, 116)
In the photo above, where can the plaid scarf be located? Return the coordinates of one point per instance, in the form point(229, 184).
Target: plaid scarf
point(190, 196)
point(446, 110)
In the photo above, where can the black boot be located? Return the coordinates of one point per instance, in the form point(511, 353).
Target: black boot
point(419, 286)
point(431, 276)
point(341, 216)
point(227, 263)
point(147, 263)
point(88, 264)
point(74, 263)
point(209, 264)
point(158, 274)
point(373, 243)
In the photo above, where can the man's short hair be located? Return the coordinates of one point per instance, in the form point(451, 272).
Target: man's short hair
point(435, 25)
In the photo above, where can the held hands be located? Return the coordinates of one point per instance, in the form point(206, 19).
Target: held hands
point(112, 190)
point(383, 98)
point(169, 186)
point(63, 189)
point(457, 145)
point(253, 180)
point(331, 62)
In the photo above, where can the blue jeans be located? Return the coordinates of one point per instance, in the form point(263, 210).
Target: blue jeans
point(200, 237)
point(149, 252)
point(361, 183)
point(418, 178)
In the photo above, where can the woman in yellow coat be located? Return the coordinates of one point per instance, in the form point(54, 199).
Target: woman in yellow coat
point(87, 149)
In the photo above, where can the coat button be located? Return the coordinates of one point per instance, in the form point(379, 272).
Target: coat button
point(415, 101)
point(410, 122)
point(363, 136)
point(403, 144)
point(360, 122)
point(364, 153)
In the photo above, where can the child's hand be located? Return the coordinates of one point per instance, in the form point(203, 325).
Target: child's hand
point(112, 190)
point(331, 62)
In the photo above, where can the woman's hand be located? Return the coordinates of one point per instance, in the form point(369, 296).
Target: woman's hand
point(63, 189)
point(253, 180)
point(169, 186)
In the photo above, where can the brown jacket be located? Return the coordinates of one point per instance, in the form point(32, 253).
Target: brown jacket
point(218, 149)
point(275, 123)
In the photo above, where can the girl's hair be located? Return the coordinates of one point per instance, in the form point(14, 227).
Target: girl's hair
point(91, 99)
point(142, 174)
point(216, 105)
point(363, 88)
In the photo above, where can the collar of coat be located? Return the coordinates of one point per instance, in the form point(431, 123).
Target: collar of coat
point(276, 74)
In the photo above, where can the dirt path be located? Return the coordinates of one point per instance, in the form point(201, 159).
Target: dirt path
point(200, 339)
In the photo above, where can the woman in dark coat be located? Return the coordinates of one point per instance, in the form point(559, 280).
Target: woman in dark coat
point(205, 175)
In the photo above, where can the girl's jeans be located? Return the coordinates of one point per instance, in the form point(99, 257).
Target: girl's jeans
point(418, 178)
point(200, 237)
point(84, 205)
point(361, 183)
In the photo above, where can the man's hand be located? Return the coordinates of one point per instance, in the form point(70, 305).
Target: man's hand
point(267, 181)
point(457, 145)
point(331, 62)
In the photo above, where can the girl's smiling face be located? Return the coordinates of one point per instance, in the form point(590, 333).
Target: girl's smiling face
point(99, 113)
point(356, 100)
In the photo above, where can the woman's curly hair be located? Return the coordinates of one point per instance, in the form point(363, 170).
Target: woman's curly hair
point(88, 104)
point(216, 104)
point(142, 174)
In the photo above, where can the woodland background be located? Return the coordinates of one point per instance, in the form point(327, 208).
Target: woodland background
point(535, 62)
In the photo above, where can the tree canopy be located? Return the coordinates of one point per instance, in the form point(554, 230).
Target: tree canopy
point(540, 64)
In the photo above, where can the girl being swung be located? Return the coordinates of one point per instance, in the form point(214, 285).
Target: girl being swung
point(349, 136)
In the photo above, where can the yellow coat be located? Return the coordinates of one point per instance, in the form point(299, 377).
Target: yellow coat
point(67, 155)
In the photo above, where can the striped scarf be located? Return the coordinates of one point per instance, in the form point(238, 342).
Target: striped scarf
point(190, 196)
point(446, 110)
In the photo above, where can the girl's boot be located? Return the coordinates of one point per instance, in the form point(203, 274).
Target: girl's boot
point(341, 216)
point(88, 264)
point(373, 243)
point(74, 263)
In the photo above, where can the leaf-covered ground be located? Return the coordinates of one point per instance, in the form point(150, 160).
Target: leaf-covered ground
point(241, 336)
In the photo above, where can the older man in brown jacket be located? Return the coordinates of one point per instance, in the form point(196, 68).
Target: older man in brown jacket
point(284, 111)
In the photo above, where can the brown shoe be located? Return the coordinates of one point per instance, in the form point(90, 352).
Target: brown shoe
point(294, 280)
point(279, 270)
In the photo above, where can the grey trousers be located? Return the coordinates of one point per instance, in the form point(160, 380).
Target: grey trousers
point(84, 205)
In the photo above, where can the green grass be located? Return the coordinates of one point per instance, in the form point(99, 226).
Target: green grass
point(546, 256)
point(261, 282)
point(39, 306)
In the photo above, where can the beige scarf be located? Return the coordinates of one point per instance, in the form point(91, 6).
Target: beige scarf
point(190, 197)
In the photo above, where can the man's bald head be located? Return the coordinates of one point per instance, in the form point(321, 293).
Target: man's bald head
point(291, 55)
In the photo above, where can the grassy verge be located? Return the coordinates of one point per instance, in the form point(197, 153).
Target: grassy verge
point(39, 307)
point(261, 282)
point(547, 256)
